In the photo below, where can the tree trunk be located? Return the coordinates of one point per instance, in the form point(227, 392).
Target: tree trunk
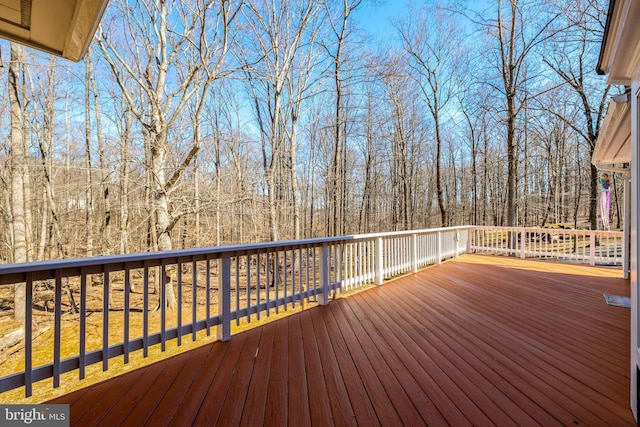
point(196, 195)
point(294, 178)
point(124, 182)
point(593, 197)
point(26, 179)
point(105, 227)
point(160, 203)
point(439, 189)
point(17, 178)
point(88, 185)
point(339, 168)
point(512, 164)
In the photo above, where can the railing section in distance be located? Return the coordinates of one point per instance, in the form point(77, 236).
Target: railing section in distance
point(133, 302)
point(585, 246)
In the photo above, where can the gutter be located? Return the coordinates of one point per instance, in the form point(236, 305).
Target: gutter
point(607, 167)
point(605, 37)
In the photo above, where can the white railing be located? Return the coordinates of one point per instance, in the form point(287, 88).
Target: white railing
point(214, 287)
point(586, 246)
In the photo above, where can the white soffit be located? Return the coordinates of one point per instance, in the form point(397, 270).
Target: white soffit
point(61, 27)
point(614, 141)
point(620, 56)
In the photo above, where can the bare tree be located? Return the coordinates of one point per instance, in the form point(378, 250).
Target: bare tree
point(274, 40)
point(18, 225)
point(519, 28)
point(184, 49)
point(88, 183)
point(105, 223)
point(429, 38)
point(371, 158)
point(406, 133)
point(338, 190)
point(571, 55)
point(125, 137)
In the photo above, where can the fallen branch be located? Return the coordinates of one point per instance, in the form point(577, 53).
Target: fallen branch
point(13, 342)
point(11, 339)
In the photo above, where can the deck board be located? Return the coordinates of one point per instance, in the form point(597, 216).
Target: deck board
point(202, 383)
point(380, 400)
point(147, 403)
point(475, 341)
point(237, 393)
point(531, 366)
point(170, 404)
point(453, 395)
point(453, 363)
point(277, 406)
point(212, 404)
point(423, 402)
point(256, 402)
point(364, 410)
point(319, 404)
point(298, 409)
point(341, 409)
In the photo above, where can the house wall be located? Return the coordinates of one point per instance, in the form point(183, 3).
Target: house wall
point(635, 226)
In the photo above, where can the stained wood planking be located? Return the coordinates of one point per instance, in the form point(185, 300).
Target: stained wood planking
point(211, 406)
point(236, 395)
point(202, 382)
point(341, 409)
point(319, 405)
point(299, 412)
point(170, 404)
point(381, 401)
point(256, 402)
point(407, 378)
point(277, 406)
point(456, 366)
point(477, 340)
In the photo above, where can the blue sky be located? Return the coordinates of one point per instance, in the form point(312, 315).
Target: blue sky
point(375, 19)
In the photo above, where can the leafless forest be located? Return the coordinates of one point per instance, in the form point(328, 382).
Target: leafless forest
point(201, 122)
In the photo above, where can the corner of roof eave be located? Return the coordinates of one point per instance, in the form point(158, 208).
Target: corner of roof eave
point(86, 18)
point(602, 67)
point(620, 42)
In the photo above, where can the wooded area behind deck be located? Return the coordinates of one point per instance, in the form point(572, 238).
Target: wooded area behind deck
point(204, 123)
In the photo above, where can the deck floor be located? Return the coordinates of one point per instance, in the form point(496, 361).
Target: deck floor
point(475, 341)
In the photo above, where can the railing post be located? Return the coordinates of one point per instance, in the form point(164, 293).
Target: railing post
point(414, 253)
point(378, 263)
point(325, 274)
point(470, 233)
point(626, 228)
point(439, 247)
point(522, 243)
point(224, 300)
point(28, 337)
point(592, 248)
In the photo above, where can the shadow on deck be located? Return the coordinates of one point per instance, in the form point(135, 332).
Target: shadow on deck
point(478, 340)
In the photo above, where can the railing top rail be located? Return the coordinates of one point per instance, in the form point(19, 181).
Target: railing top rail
point(548, 230)
point(43, 269)
point(400, 233)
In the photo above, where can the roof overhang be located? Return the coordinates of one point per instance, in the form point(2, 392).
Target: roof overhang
point(61, 27)
point(614, 141)
point(620, 50)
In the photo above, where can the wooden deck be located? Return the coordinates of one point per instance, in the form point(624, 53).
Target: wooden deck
point(474, 341)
